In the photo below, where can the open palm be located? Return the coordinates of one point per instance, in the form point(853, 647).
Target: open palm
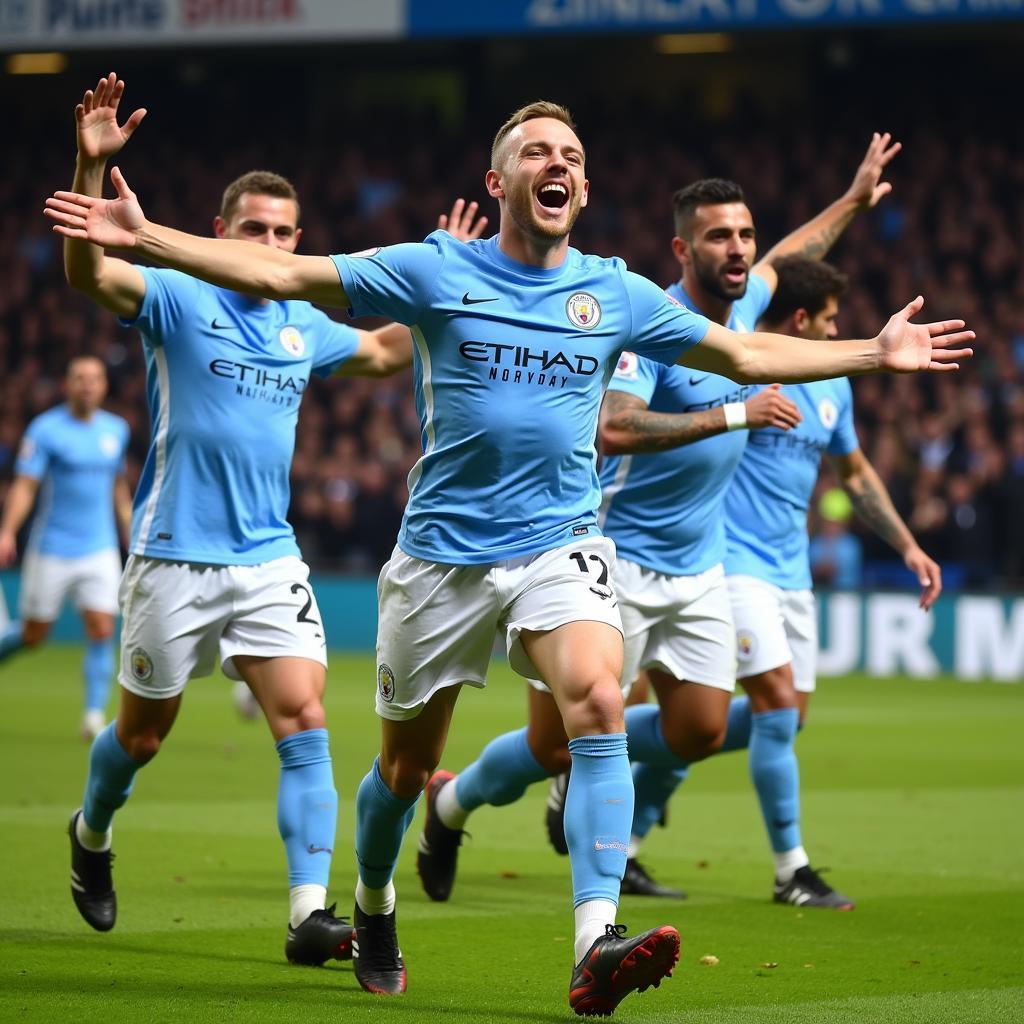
point(907, 348)
point(99, 134)
point(111, 223)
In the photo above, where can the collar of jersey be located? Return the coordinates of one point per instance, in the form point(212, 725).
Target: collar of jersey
point(246, 304)
point(492, 250)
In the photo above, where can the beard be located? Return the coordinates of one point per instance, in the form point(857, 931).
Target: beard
point(519, 203)
point(711, 281)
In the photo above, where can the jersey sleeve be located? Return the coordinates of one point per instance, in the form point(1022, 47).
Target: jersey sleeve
point(335, 344)
point(662, 329)
point(635, 376)
point(34, 453)
point(844, 435)
point(396, 281)
point(170, 297)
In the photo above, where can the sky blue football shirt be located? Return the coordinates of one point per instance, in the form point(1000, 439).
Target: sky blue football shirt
point(76, 463)
point(510, 364)
point(225, 376)
point(664, 509)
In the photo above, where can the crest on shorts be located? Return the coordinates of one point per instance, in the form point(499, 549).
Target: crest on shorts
point(292, 341)
point(627, 366)
point(828, 413)
point(746, 645)
point(583, 310)
point(385, 683)
point(142, 665)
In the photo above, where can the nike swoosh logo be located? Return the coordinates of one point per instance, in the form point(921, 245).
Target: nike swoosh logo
point(318, 849)
point(467, 301)
point(694, 381)
point(221, 327)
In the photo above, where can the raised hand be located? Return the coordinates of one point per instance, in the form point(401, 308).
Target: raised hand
point(111, 223)
point(459, 223)
point(8, 549)
point(867, 188)
point(99, 134)
point(771, 408)
point(904, 347)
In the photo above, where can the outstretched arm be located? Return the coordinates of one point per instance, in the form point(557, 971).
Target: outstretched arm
point(259, 270)
point(20, 498)
point(627, 426)
point(113, 283)
point(874, 506)
point(819, 234)
point(901, 347)
point(380, 353)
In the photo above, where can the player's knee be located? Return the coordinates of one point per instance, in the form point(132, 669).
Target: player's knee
point(554, 760)
point(34, 633)
point(599, 709)
point(311, 715)
point(407, 774)
point(142, 746)
point(98, 631)
point(774, 690)
point(698, 741)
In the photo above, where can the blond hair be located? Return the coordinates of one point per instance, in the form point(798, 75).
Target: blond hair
point(540, 108)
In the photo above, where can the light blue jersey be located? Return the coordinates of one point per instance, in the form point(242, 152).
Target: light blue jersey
point(664, 509)
point(510, 365)
point(225, 376)
point(76, 462)
point(766, 505)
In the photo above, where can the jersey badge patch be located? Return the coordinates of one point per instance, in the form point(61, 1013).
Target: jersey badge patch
point(828, 413)
point(583, 310)
point(142, 665)
point(386, 683)
point(292, 341)
point(746, 645)
point(628, 366)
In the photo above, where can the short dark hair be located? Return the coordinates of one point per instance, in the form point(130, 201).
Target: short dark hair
point(539, 108)
point(803, 284)
point(257, 183)
point(706, 192)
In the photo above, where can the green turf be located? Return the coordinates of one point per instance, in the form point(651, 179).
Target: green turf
point(912, 794)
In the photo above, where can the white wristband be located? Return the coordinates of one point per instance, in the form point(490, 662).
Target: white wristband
point(735, 416)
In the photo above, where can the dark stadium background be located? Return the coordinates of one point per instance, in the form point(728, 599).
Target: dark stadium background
point(379, 137)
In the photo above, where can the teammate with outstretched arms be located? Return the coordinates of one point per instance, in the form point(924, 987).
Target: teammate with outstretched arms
point(214, 570)
point(515, 338)
point(71, 467)
point(662, 505)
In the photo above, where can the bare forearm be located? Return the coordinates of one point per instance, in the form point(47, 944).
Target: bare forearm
point(635, 431)
point(874, 506)
point(20, 499)
point(83, 261)
point(770, 358)
point(123, 508)
point(818, 235)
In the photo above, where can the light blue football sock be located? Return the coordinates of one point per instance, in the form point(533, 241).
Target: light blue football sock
point(111, 773)
point(737, 731)
point(307, 806)
point(98, 670)
point(382, 820)
point(654, 785)
point(500, 774)
point(646, 740)
point(776, 776)
point(10, 639)
point(598, 815)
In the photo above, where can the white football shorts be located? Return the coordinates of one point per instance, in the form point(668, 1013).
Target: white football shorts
point(679, 624)
point(90, 582)
point(436, 623)
point(179, 616)
point(774, 627)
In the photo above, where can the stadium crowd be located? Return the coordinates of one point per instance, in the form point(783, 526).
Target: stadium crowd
point(950, 447)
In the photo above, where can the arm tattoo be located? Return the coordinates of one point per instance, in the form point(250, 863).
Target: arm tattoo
point(819, 243)
point(875, 507)
point(644, 431)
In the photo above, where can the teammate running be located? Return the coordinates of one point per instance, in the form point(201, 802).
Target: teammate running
point(72, 461)
point(214, 569)
point(515, 338)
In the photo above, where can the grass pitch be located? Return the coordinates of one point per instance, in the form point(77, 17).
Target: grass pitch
point(912, 793)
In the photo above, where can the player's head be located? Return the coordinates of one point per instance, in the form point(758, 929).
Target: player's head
point(263, 207)
point(85, 384)
point(806, 299)
point(537, 171)
point(714, 240)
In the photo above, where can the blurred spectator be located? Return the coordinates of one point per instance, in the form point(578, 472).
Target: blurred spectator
point(836, 556)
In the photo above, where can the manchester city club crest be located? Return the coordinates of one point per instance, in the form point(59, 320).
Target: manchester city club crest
point(386, 683)
point(142, 665)
point(583, 310)
point(292, 341)
point(828, 413)
point(746, 645)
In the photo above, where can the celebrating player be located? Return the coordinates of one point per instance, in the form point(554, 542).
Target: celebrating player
point(72, 458)
point(663, 508)
point(214, 568)
point(514, 339)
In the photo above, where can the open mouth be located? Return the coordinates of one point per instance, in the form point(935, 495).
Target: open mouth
point(736, 274)
point(553, 195)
